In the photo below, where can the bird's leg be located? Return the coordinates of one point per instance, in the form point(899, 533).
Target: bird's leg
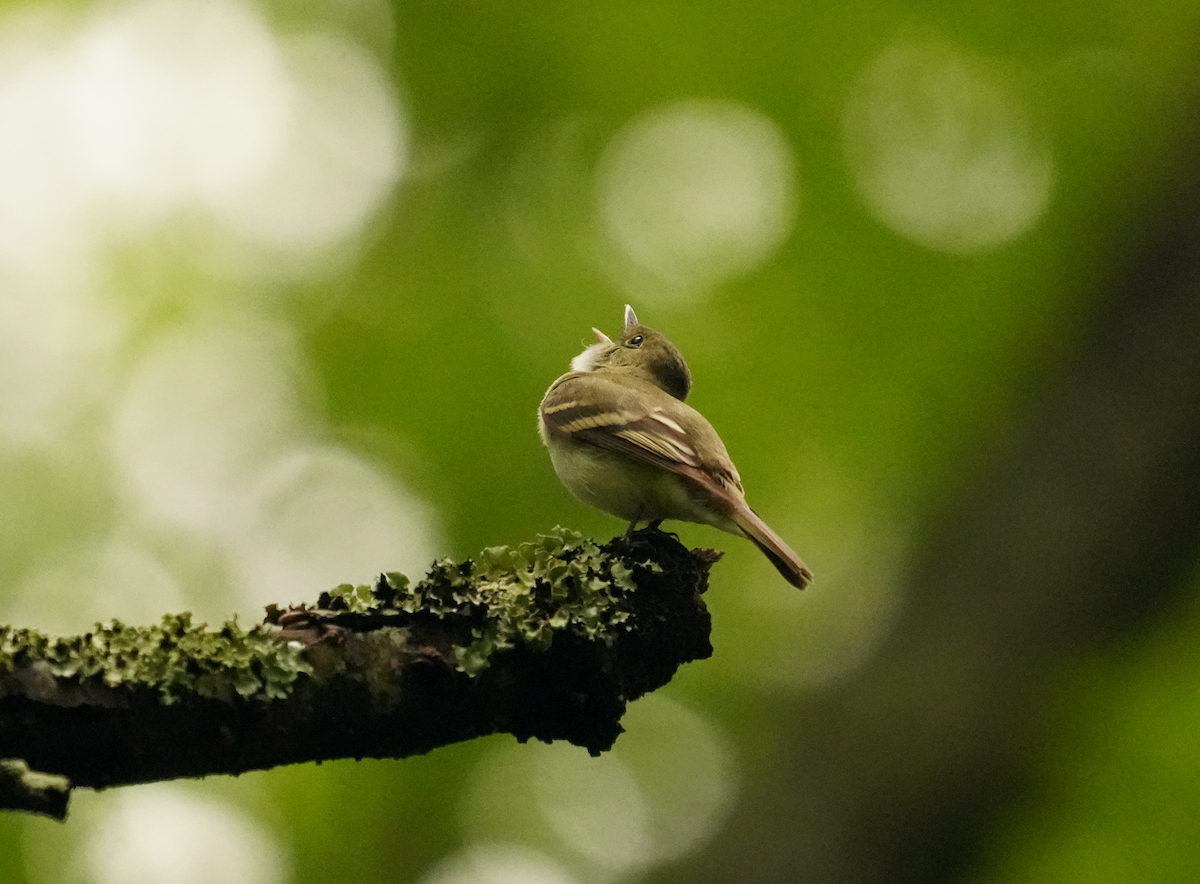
point(637, 517)
point(658, 522)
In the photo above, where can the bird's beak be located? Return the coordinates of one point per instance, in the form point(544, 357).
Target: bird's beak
point(631, 320)
point(604, 339)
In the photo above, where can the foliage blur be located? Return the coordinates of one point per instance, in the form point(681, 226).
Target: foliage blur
point(281, 285)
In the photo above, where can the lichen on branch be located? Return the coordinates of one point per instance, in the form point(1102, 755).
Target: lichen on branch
point(516, 596)
point(177, 658)
point(549, 639)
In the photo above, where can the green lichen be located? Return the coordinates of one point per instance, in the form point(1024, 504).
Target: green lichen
point(559, 581)
point(177, 658)
point(510, 596)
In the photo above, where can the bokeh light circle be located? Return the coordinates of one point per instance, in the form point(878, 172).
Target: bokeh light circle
point(497, 864)
point(162, 833)
point(698, 192)
point(658, 795)
point(96, 582)
point(944, 151)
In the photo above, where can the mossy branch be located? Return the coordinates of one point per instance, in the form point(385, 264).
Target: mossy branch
point(549, 640)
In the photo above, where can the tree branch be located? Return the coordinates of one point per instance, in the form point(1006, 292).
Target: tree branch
point(549, 640)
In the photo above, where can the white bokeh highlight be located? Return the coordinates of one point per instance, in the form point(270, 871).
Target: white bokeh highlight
point(344, 151)
point(155, 110)
point(696, 193)
point(498, 864)
point(210, 435)
point(325, 516)
point(57, 342)
point(658, 795)
point(163, 834)
point(202, 412)
point(223, 153)
point(596, 806)
point(687, 771)
point(157, 120)
point(113, 579)
point(944, 150)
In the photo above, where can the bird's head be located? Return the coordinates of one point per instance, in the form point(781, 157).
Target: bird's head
point(641, 351)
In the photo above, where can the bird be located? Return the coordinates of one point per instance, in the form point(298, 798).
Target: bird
point(622, 439)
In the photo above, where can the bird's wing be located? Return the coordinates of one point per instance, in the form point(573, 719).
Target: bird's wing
point(653, 430)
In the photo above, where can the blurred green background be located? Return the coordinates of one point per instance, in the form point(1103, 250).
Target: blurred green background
point(282, 284)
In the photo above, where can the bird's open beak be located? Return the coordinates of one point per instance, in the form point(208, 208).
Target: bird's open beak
point(631, 320)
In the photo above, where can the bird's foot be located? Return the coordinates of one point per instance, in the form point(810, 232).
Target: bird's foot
point(654, 526)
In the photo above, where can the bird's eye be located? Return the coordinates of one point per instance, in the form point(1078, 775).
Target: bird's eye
point(635, 341)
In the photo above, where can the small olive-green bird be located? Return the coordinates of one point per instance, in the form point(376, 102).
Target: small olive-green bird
point(622, 439)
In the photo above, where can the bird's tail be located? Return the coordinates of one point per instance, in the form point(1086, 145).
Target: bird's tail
point(782, 556)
